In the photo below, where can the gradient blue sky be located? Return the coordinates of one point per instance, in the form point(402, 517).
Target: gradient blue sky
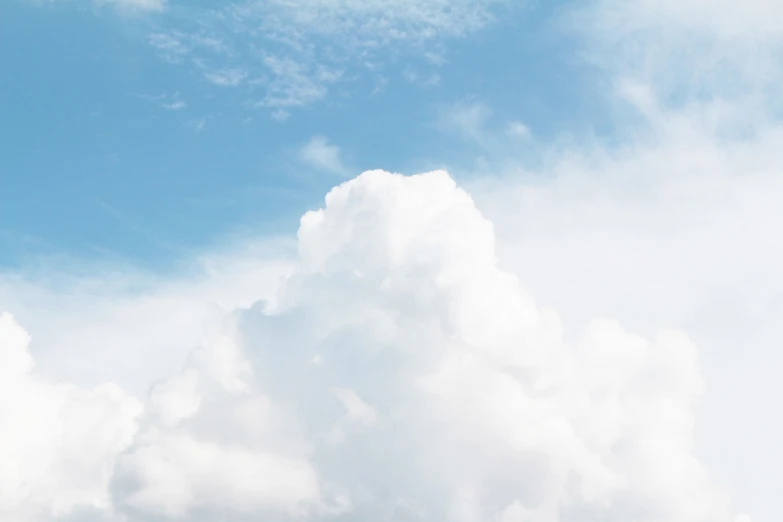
point(113, 146)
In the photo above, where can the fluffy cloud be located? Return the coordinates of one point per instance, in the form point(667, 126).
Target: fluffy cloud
point(397, 374)
point(212, 444)
point(489, 406)
point(58, 443)
point(662, 232)
point(82, 310)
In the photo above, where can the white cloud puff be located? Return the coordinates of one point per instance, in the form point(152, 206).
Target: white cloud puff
point(58, 443)
point(487, 404)
point(210, 443)
point(442, 392)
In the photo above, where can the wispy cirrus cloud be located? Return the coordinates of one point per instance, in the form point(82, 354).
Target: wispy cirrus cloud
point(176, 105)
point(290, 83)
point(197, 125)
point(165, 101)
point(689, 52)
point(126, 6)
point(368, 24)
point(322, 155)
point(465, 119)
point(226, 77)
point(718, 19)
point(142, 5)
point(171, 47)
point(292, 53)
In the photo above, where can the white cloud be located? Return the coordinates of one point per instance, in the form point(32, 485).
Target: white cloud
point(356, 409)
point(358, 414)
point(210, 442)
point(724, 19)
point(689, 52)
point(90, 311)
point(444, 391)
point(322, 155)
point(491, 366)
point(58, 442)
point(663, 233)
point(676, 222)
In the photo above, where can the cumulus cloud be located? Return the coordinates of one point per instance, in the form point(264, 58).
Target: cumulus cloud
point(399, 373)
point(89, 311)
point(488, 404)
point(442, 391)
point(58, 442)
point(211, 443)
point(662, 232)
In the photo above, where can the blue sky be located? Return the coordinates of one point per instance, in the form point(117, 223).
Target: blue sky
point(566, 308)
point(145, 157)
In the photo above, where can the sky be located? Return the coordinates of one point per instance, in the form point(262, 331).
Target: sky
point(397, 260)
